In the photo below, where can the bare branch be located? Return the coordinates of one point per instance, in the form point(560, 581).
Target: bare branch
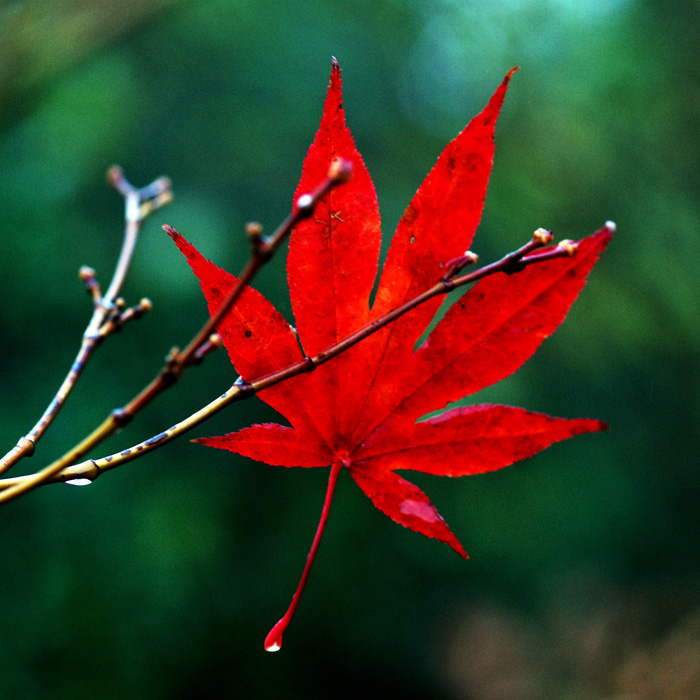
point(109, 313)
point(139, 203)
point(89, 470)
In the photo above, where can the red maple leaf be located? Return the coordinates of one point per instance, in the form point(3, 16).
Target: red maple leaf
point(362, 410)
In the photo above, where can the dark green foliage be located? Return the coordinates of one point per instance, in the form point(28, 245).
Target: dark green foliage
point(152, 582)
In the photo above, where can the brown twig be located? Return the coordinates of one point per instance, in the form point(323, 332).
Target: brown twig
point(262, 250)
point(89, 470)
point(109, 312)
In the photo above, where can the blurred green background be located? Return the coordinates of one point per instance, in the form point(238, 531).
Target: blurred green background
point(162, 578)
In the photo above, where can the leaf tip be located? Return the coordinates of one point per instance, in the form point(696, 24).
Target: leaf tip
point(462, 553)
point(588, 425)
point(611, 226)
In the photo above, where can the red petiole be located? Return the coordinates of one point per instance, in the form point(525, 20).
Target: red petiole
point(273, 641)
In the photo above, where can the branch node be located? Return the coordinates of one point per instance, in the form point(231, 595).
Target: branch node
point(121, 417)
point(83, 477)
point(26, 445)
point(245, 388)
point(172, 358)
point(514, 264)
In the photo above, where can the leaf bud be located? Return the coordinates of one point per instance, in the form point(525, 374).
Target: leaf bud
point(542, 236)
point(87, 274)
point(162, 184)
point(340, 171)
point(114, 176)
point(571, 247)
point(145, 305)
point(253, 229)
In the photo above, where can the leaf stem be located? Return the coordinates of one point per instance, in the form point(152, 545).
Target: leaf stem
point(273, 641)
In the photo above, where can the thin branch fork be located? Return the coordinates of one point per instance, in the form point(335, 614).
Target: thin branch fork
point(514, 262)
point(262, 250)
point(109, 312)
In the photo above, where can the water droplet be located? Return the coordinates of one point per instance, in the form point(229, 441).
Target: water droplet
point(273, 641)
point(79, 482)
